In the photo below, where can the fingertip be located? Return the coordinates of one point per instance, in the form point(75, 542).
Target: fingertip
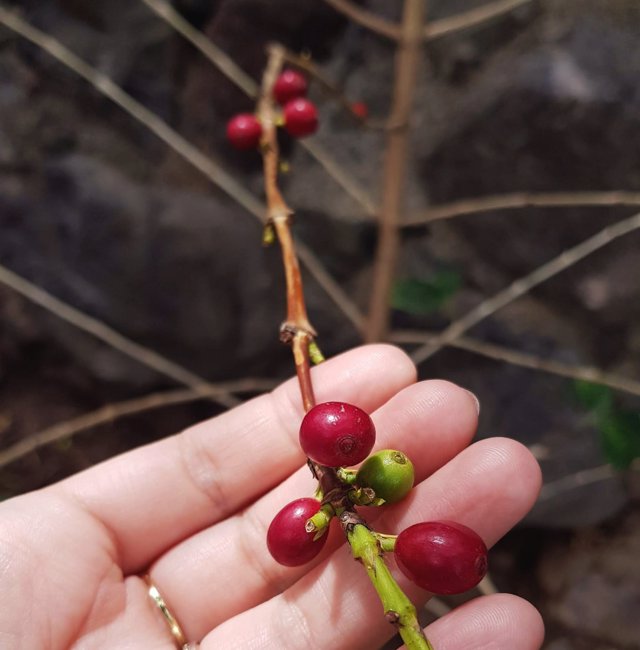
point(431, 421)
point(386, 358)
point(526, 474)
point(489, 486)
point(373, 372)
point(496, 621)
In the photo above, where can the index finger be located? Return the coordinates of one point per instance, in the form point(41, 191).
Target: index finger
point(155, 496)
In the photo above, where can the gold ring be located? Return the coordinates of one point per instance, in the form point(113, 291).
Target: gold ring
point(170, 619)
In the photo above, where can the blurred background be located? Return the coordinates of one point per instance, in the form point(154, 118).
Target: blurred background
point(535, 107)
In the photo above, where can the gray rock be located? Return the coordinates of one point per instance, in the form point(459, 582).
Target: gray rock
point(593, 586)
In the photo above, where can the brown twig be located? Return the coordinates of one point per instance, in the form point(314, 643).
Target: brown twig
point(111, 412)
point(523, 285)
point(175, 141)
point(472, 18)
point(161, 129)
point(296, 329)
point(298, 332)
point(218, 57)
point(525, 360)
point(581, 478)
point(238, 76)
point(521, 200)
point(327, 282)
point(573, 481)
point(367, 19)
point(395, 167)
point(114, 339)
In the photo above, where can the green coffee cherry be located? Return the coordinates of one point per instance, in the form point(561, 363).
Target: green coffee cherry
point(389, 473)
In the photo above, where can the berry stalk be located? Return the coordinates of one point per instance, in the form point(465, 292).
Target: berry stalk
point(398, 609)
point(299, 333)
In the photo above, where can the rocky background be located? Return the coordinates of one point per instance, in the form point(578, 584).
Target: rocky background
point(97, 211)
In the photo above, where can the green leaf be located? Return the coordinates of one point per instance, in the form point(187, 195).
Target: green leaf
point(425, 296)
point(594, 397)
point(620, 434)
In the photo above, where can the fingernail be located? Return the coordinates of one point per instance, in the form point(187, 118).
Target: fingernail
point(476, 400)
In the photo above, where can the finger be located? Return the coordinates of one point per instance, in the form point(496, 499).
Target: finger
point(431, 422)
point(498, 621)
point(155, 496)
point(489, 487)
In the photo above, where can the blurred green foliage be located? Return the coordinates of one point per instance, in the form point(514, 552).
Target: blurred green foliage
point(425, 296)
point(619, 429)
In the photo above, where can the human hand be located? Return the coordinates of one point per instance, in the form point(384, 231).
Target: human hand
point(192, 511)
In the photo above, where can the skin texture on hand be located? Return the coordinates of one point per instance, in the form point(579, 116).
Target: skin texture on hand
point(193, 510)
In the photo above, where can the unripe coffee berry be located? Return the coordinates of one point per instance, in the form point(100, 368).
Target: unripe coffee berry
point(287, 540)
point(389, 473)
point(289, 85)
point(337, 434)
point(442, 557)
point(244, 131)
point(300, 117)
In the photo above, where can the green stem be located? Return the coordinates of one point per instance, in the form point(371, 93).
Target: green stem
point(319, 522)
point(398, 609)
point(315, 354)
point(364, 497)
point(347, 476)
point(387, 542)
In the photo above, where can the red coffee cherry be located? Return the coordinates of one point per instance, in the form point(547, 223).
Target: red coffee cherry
point(337, 434)
point(360, 109)
point(244, 131)
point(289, 85)
point(442, 557)
point(300, 117)
point(288, 541)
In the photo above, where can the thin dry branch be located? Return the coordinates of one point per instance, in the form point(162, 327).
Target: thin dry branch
point(525, 360)
point(523, 285)
point(112, 412)
point(296, 330)
point(522, 200)
point(172, 138)
point(581, 478)
point(105, 86)
point(338, 173)
point(407, 61)
point(238, 76)
point(322, 277)
point(577, 479)
point(472, 18)
point(212, 52)
point(111, 337)
point(367, 19)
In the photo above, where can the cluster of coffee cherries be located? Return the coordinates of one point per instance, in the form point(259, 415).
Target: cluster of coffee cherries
point(442, 557)
point(299, 115)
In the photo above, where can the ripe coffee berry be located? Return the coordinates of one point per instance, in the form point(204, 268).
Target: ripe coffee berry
point(287, 540)
point(244, 131)
point(442, 557)
point(289, 85)
point(337, 434)
point(360, 109)
point(300, 117)
point(389, 473)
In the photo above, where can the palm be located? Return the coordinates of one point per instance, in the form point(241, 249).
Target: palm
point(193, 510)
